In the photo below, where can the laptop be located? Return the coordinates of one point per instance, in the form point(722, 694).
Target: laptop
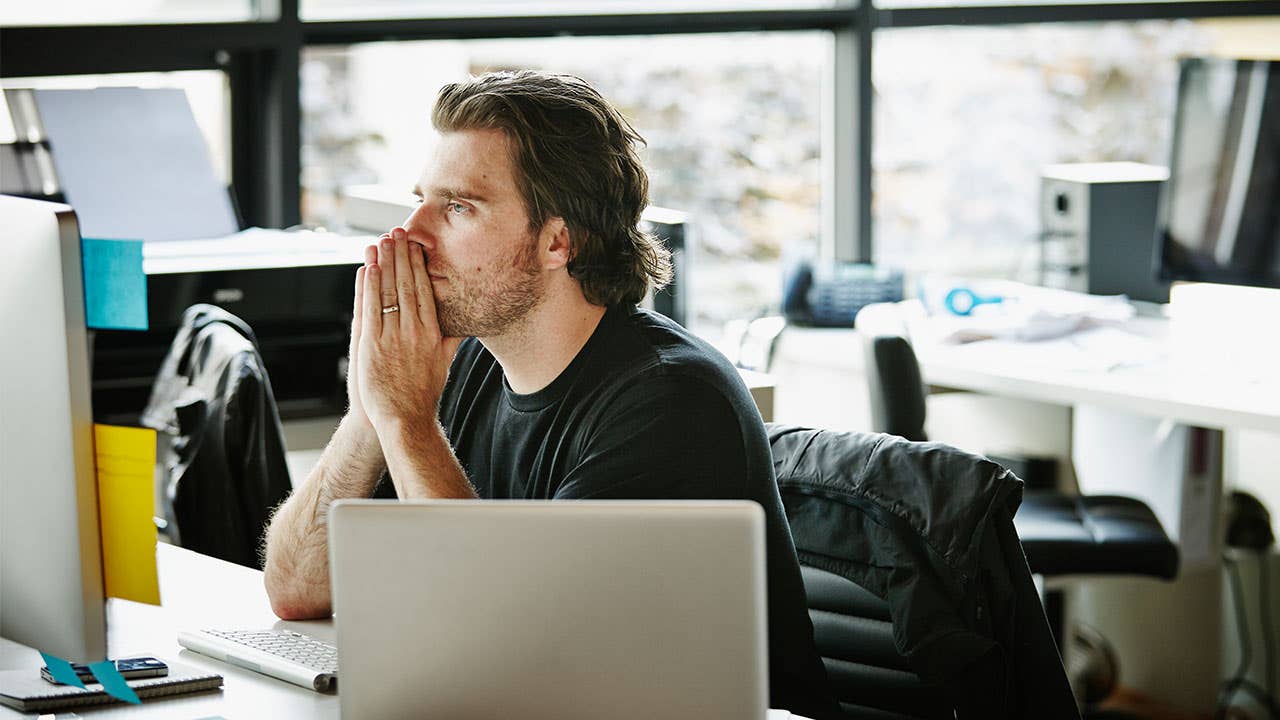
point(550, 610)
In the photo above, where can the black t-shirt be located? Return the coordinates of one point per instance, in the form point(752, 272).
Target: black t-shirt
point(645, 411)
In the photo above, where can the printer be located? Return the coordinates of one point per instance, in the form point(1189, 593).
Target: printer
point(133, 164)
point(293, 288)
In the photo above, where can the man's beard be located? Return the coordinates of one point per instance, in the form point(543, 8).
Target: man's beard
point(490, 305)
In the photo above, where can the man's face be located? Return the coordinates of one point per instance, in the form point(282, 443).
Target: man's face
point(482, 258)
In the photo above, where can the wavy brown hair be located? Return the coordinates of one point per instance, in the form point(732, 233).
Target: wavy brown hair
point(575, 157)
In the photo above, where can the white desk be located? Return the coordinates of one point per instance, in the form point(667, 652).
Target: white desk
point(1158, 386)
point(1133, 369)
point(200, 591)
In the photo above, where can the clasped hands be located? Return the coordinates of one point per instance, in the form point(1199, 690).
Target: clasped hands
point(398, 358)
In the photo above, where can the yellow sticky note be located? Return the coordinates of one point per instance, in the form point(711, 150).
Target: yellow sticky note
point(126, 459)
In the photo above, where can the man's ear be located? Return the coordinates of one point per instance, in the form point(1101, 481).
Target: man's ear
point(554, 239)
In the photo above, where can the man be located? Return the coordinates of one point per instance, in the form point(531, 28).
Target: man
point(526, 242)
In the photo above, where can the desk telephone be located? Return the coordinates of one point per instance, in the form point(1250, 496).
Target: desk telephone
point(830, 295)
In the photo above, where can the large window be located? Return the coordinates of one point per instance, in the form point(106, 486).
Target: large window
point(734, 138)
point(966, 119)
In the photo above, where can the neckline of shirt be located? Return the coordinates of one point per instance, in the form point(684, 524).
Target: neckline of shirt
point(556, 389)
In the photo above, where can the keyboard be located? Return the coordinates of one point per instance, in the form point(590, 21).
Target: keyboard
point(283, 654)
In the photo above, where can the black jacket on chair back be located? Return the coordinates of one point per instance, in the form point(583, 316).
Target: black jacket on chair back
point(225, 462)
point(929, 529)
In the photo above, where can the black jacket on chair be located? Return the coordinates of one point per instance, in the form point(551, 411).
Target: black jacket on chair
point(225, 465)
point(929, 529)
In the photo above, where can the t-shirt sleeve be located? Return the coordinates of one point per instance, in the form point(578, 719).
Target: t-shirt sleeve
point(665, 437)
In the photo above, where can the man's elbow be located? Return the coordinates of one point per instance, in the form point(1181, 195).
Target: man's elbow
point(290, 603)
point(295, 610)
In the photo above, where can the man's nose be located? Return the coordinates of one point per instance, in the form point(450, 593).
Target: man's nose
point(418, 227)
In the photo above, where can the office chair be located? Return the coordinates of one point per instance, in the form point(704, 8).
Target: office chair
point(752, 344)
point(853, 631)
point(222, 445)
point(920, 596)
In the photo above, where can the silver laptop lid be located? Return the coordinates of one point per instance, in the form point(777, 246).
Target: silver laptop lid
point(535, 609)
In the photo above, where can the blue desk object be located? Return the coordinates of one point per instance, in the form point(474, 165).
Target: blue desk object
point(113, 682)
point(61, 670)
point(962, 300)
point(115, 286)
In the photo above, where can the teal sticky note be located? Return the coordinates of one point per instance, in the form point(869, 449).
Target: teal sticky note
point(61, 670)
point(113, 682)
point(115, 287)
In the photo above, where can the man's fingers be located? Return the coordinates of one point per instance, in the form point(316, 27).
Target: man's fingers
point(357, 312)
point(371, 312)
point(386, 271)
point(357, 309)
point(426, 301)
point(427, 296)
point(406, 293)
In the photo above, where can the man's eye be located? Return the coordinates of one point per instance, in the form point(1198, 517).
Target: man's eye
point(457, 208)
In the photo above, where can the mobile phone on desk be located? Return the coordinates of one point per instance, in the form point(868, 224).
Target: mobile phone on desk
point(129, 669)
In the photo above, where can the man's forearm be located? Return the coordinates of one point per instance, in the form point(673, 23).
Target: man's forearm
point(422, 463)
point(297, 553)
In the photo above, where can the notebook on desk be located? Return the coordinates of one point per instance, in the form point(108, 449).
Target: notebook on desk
point(26, 691)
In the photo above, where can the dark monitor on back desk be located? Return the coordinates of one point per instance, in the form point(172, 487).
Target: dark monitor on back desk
point(1219, 217)
point(671, 227)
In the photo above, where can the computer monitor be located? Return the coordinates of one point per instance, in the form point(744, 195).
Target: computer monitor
point(51, 585)
point(1219, 214)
